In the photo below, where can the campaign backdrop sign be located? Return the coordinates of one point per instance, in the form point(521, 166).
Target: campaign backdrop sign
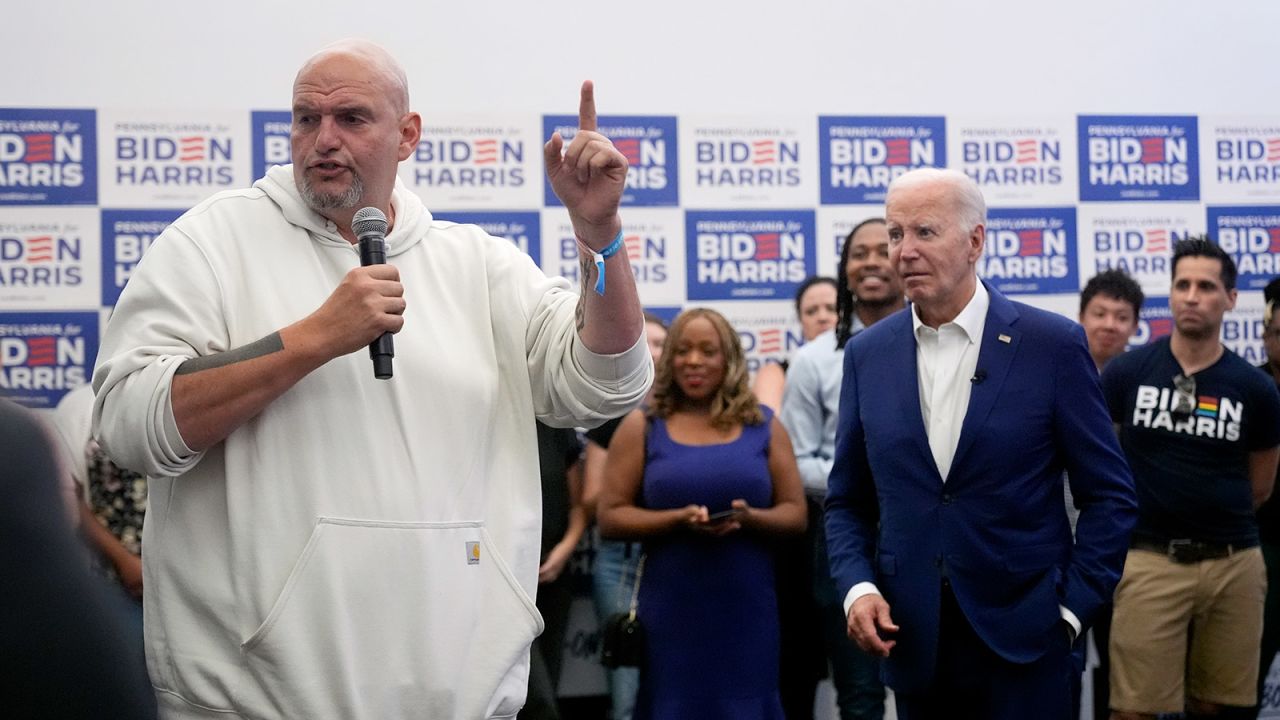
point(747, 162)
point(744, 254)
point(270, 129)
point(1155, 321)
point(1139, 157)
point(126, 235)
point(1251, 235)
point(835, 222)
point(49, 257)
point(650, 145)
point(1016, 162)
point(1030, 250)
point(1242, 159)
point(653, 239)
point(171, 158)
point(861, 155)
point(48, 157)
point(44, 355)
point(523, 229)
point(1068, 306)
point(582, 675)
point(668, 313)
point(468, 162)
point(768, 330)
point(1137, 239)
point(1242, 328)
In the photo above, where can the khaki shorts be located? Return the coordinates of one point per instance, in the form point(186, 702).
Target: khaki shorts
point(1160, 604)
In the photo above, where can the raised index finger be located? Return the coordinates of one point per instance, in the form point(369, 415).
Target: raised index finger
point(587, 107)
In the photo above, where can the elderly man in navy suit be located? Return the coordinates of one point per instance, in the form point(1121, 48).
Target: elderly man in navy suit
point(946, 522)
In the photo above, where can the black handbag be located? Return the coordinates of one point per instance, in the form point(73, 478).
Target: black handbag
point(622, 640)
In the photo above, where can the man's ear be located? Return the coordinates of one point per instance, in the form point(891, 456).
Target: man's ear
point(410, 134)
point(977, 239)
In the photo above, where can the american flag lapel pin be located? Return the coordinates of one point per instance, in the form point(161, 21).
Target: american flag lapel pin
point(1003, 338)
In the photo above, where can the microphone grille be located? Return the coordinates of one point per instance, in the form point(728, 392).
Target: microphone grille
point(369, 220)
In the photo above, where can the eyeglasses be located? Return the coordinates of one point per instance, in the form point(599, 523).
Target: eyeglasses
point(1184, 395)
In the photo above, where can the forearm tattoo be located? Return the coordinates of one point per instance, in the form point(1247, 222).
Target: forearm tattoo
point(585, 266)
point(267, 345)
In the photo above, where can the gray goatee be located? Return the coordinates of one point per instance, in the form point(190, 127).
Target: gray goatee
point(316, 200)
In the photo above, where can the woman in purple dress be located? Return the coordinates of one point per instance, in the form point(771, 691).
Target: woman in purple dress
point(705, 480)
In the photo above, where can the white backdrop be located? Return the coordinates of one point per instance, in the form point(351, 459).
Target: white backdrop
point(745, 59)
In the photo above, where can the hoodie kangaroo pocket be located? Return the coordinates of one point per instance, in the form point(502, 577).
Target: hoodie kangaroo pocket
point(390, 620)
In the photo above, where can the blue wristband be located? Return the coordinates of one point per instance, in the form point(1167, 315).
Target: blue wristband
point(602, 255)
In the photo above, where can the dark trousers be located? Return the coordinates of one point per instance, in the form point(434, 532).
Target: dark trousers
point(1102, 674)
point(854, 673)
point(801, 661)
point(814, 630)
point(547, 653)
point(974, 683)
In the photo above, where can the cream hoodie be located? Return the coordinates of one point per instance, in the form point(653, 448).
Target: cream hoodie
point(362, 548)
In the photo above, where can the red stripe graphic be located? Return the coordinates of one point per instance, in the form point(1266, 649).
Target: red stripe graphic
point(40, 350)
point(633, 246)
point(486, 151)
point(767, 247)
point(899, 151)
point(1160, 327)
point(1026, 151)
point(630, 149)
point(1274, 232)
point(1030, 242)
point(771, 341)
point(1157, 240)
point(764, 152)
point(191, 148)
point(39, 148)
point(40, 249)
point(1152, 150)
point(1273, 149)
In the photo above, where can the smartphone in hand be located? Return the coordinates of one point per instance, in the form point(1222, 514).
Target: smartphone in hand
point(723, 516)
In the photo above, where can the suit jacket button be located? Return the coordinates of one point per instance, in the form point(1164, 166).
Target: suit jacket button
point(946, 498)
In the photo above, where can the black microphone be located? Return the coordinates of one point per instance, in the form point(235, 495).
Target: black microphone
point(370, 227)
point(978, 377)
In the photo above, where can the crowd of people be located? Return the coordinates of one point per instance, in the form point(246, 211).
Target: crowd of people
point(943, 492)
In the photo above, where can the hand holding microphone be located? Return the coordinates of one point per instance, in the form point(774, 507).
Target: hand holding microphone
point(370, 228)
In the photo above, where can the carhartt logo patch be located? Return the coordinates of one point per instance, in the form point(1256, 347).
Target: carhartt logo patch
point(473, 553)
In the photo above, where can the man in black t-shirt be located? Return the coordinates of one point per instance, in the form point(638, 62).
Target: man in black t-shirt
point(1201, 430)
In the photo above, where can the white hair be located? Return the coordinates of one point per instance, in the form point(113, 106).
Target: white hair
point(965, 192)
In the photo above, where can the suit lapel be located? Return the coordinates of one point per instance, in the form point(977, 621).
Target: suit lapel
point(995, 358)
point(906, 388)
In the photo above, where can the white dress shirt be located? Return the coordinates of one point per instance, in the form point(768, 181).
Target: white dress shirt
point(946, 360)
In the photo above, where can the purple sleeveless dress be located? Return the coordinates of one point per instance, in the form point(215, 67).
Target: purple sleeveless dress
point(708, 604)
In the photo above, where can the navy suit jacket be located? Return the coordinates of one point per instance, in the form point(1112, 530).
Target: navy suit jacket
point(997, 528)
